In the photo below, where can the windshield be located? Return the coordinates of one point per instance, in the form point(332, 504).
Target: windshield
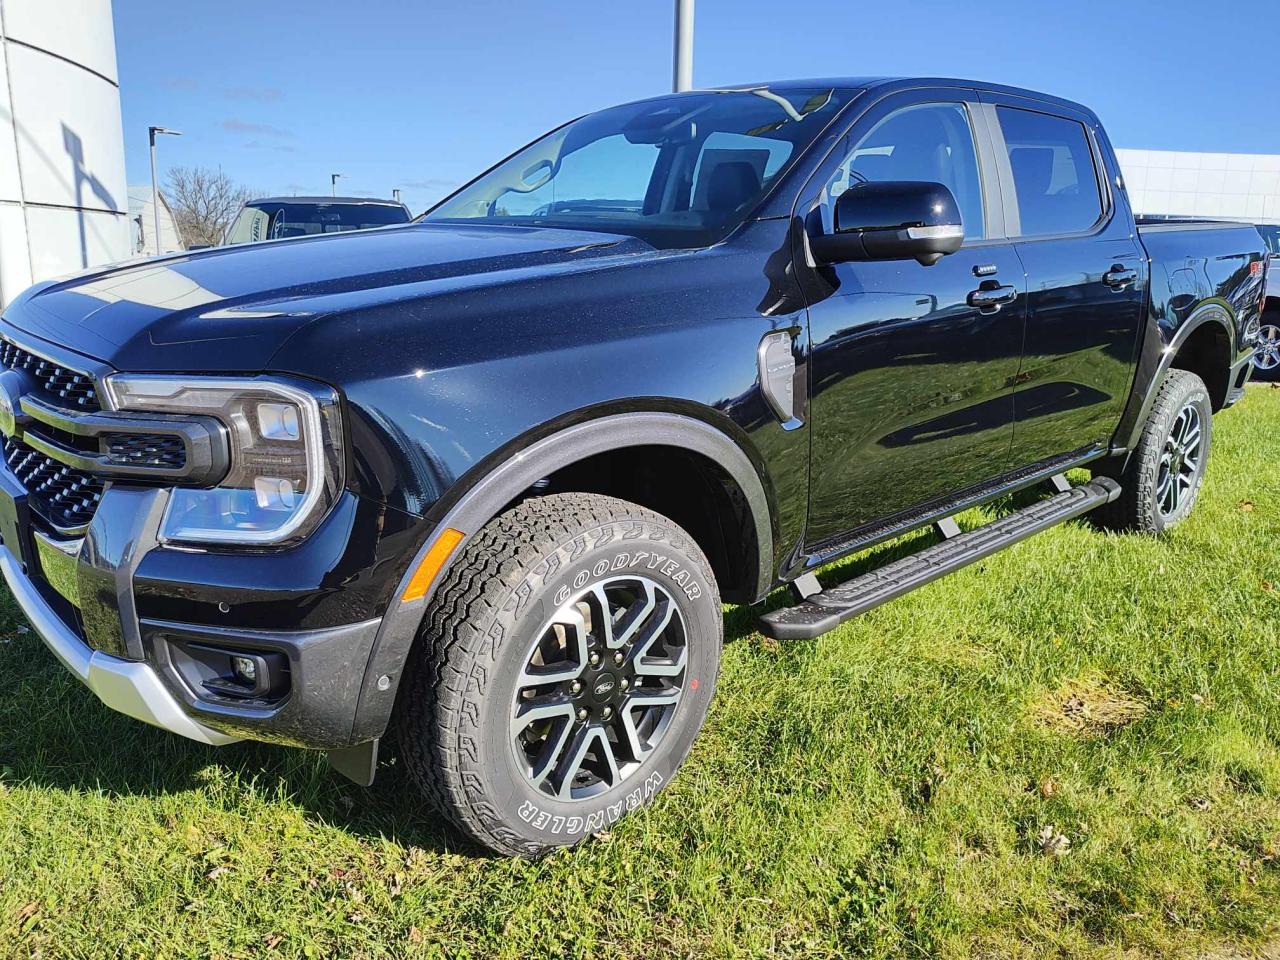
point(676, 171)
point(276, 220)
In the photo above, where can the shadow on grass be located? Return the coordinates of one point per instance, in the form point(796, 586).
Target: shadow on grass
point(740, 622)
point(55, 734)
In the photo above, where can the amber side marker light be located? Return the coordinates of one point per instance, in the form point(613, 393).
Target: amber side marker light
point(436, 558)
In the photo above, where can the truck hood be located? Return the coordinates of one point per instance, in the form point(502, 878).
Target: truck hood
point(231, 308)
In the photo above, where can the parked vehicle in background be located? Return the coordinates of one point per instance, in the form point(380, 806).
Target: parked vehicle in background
point(1267, 359)
point(278, 218)
point(486, 479)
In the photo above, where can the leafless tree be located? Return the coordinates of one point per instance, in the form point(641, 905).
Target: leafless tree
point(203, 202)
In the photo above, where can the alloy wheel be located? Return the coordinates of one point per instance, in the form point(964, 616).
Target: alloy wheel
point(599, 688)
point(1180, 461)
point(1267, 355)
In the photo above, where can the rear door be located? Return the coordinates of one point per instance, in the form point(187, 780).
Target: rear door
point(912, 366)
point(1086, 276)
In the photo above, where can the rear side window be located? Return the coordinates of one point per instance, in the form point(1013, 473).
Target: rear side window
point(1053, 172)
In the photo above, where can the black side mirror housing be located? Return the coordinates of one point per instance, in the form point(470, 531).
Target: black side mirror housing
point(892, 220)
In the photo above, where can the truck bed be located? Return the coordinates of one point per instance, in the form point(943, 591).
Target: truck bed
point(1165, 225)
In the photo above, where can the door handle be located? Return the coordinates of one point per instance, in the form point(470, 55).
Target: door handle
point(991, 296)
point(1119, 277)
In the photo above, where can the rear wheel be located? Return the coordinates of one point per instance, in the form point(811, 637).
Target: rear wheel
point(1266, 361)
point(564, 669)
point(1162, 480)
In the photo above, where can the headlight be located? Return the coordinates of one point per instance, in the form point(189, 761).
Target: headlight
point(286, 461)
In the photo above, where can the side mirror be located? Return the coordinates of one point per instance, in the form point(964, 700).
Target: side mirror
point(893, 220)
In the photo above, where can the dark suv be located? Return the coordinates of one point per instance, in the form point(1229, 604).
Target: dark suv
point(485, 480)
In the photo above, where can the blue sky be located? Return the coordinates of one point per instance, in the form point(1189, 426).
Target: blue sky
point(423, 94)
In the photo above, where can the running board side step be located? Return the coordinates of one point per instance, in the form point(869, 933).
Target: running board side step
point(829, 608)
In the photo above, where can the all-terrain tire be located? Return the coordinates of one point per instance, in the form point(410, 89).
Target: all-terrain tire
point(455, 712)
point(1141, 506)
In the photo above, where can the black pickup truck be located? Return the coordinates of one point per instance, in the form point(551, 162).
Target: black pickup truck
point(483, 481)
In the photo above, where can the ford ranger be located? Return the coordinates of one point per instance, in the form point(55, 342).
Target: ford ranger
point(483, 481)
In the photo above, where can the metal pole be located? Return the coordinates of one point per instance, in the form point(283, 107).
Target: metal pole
point(682, 74)
point(155, 189)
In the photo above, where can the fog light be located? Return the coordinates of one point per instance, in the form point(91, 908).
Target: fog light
point(235, 674)
point(245, 669)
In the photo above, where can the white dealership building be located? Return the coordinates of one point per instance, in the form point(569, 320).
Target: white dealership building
point(64, 204)
point(1220, 186)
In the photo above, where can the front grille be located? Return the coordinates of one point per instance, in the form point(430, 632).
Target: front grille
point(64, 497)
point(70, 388)
point(145, 450)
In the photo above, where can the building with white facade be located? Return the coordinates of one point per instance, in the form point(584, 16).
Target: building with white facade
point(1218, 186)
point(63, 200)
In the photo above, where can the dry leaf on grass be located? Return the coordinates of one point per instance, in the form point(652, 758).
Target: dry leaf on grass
point(1052, 843)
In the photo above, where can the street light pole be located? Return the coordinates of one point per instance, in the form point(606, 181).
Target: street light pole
point(333, 184)
point(155, 189)
point(682, 73)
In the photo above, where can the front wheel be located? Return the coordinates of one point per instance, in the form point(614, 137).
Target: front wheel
point(1164, 473)
point(563, 671)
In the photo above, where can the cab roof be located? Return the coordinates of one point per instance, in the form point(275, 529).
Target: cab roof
point(891, 84)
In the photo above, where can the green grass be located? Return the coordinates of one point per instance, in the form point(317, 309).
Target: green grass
point(879, 791)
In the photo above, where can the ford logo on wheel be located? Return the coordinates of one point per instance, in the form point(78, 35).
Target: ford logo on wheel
point(603, 686)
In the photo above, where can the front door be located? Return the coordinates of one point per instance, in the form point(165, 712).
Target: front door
point(912, 366)
point(1086, 275)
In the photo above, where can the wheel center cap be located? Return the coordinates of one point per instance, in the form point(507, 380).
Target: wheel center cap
point(604, 688)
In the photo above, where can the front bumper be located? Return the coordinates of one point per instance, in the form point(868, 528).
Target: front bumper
point(159, 631)
point(130, 687)
point(108, 614)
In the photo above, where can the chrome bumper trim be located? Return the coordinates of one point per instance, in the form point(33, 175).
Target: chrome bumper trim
point(128, 686)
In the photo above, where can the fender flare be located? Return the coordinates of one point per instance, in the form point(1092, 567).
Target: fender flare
point(1154, 364)
point(512, 477)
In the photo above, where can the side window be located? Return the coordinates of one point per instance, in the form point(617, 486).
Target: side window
point(1054, 176)
point(250, 226)
point(928, 141)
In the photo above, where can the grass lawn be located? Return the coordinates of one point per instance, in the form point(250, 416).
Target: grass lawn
point(1071, 749)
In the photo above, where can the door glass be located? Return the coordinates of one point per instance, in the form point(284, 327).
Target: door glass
point(929, 141)
point(1053, 172)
